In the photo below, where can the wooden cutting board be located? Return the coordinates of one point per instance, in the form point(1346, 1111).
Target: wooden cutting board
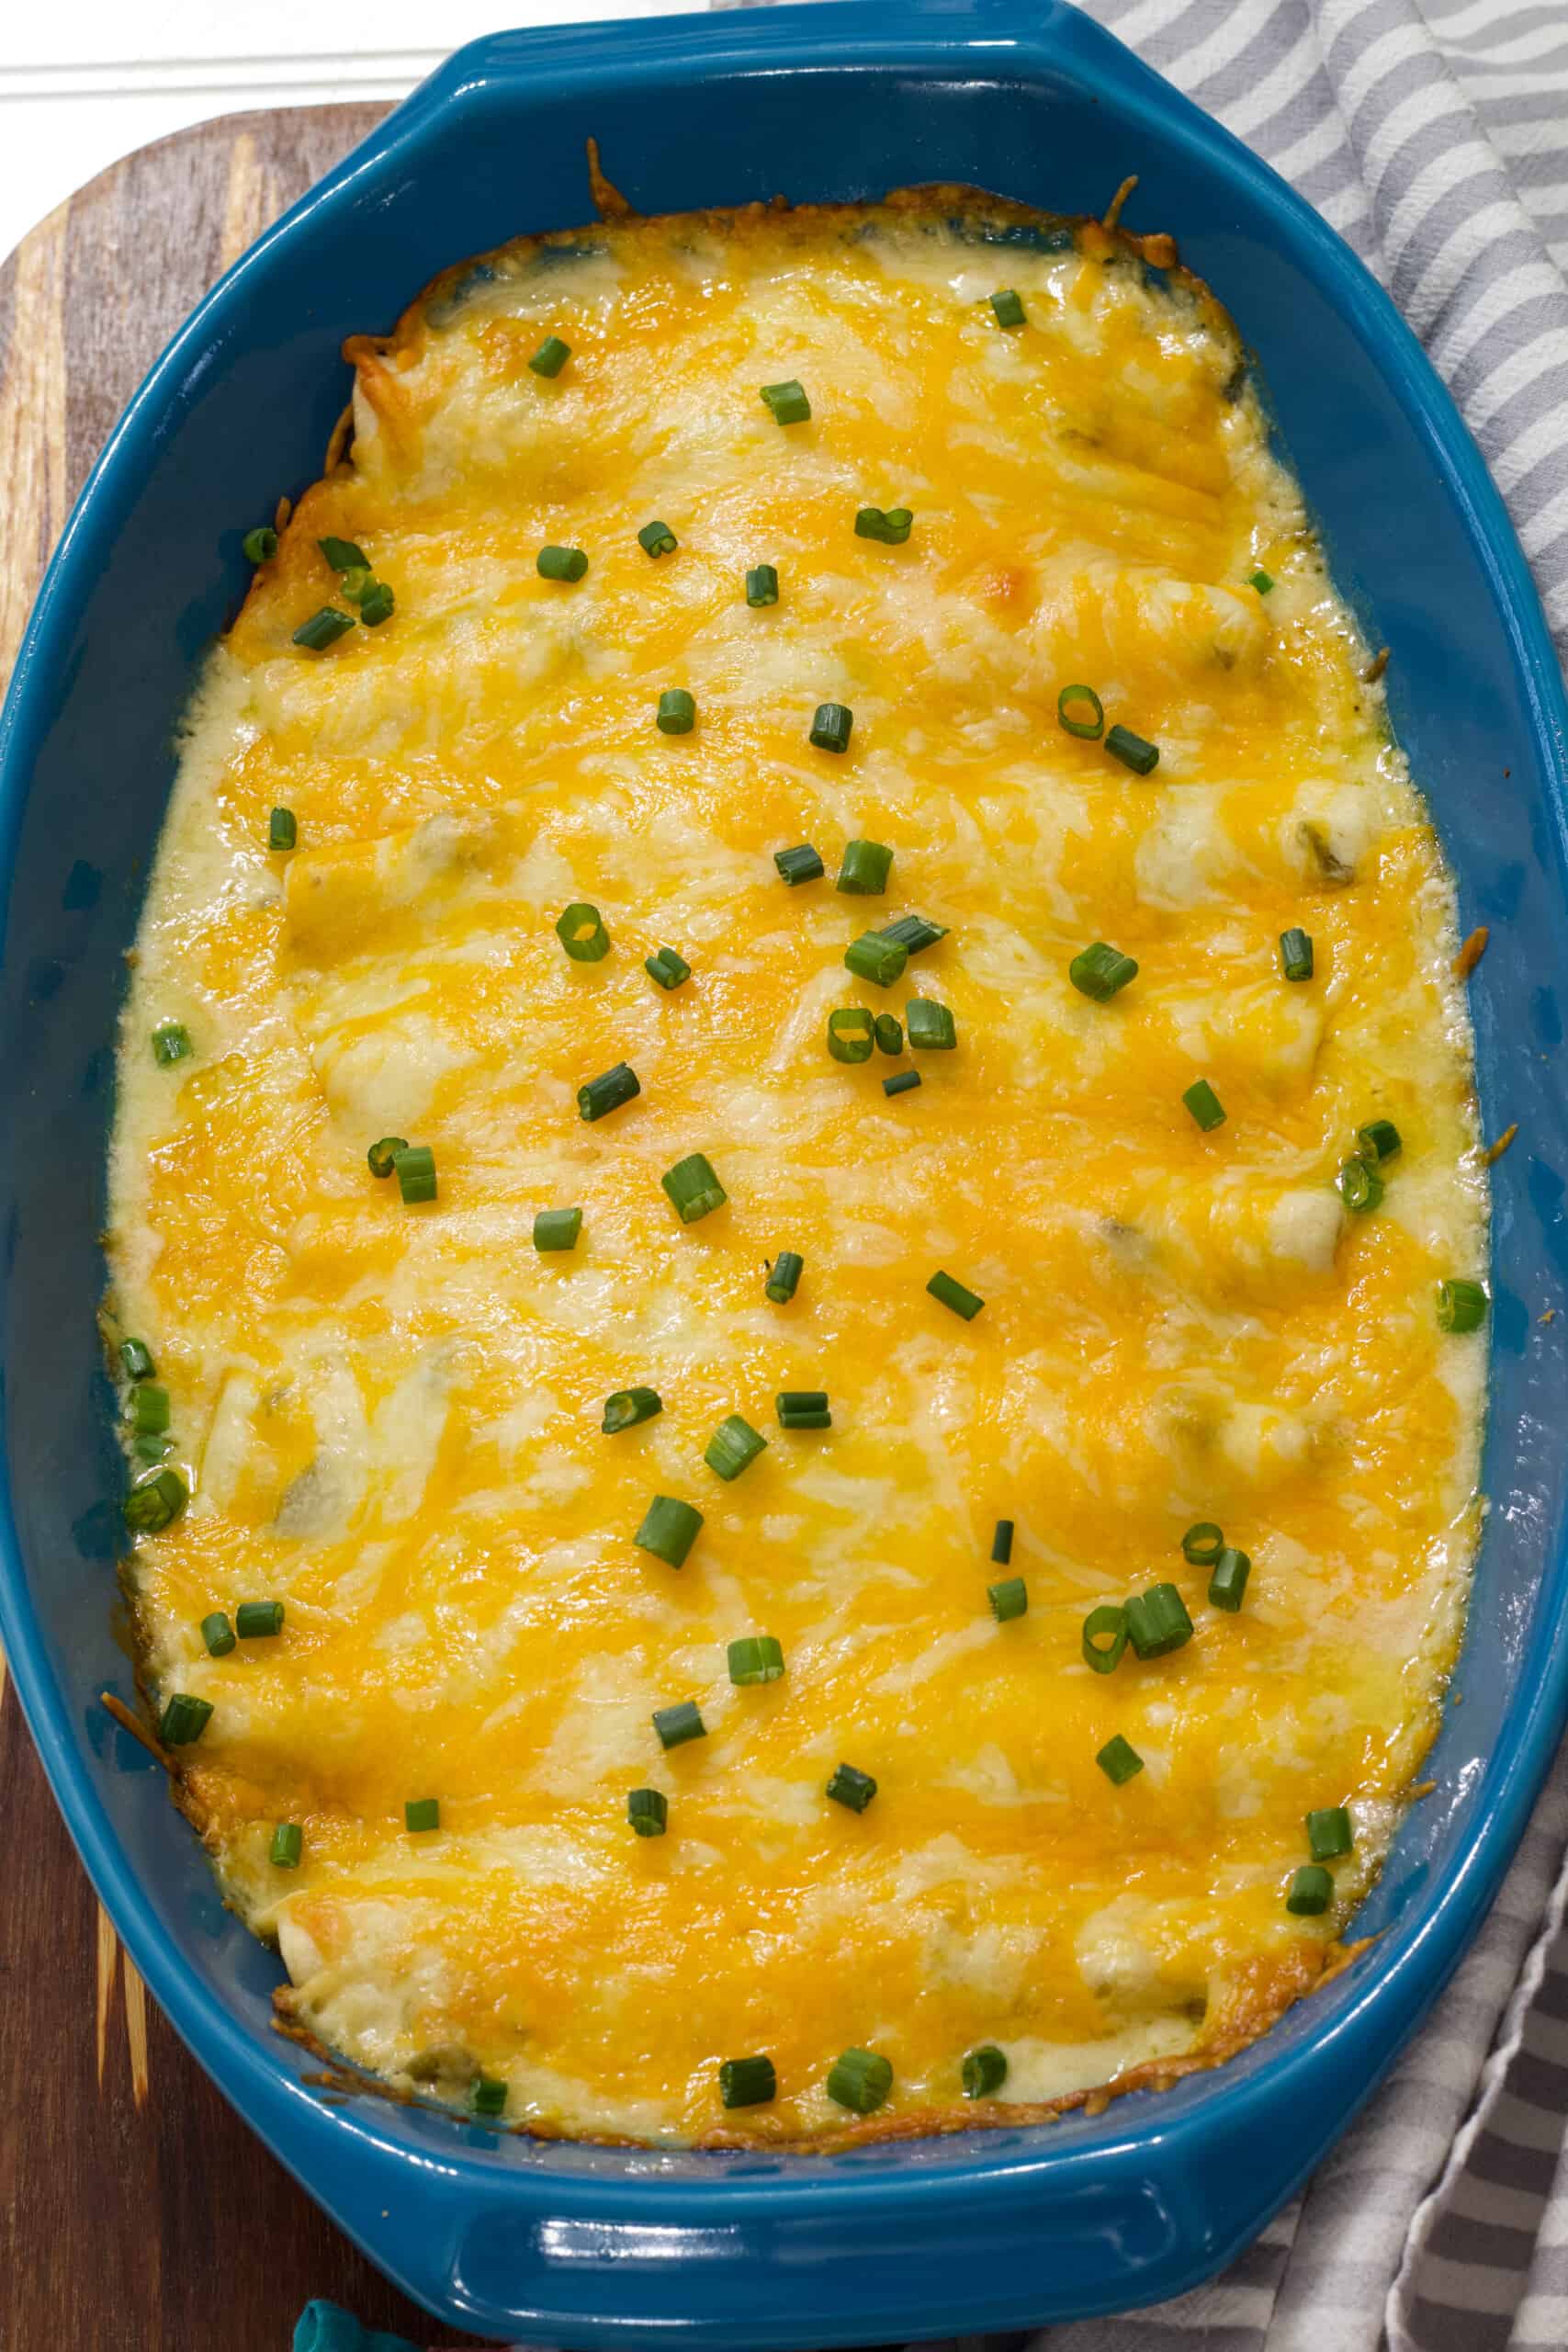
point(137, 2213)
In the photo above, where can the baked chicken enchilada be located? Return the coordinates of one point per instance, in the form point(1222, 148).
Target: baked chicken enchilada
point(797, 1233)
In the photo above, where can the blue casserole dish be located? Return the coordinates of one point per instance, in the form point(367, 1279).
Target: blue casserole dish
point(579, 2247)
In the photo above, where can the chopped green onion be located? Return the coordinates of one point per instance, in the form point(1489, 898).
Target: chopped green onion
point(1311, 1890)
point(1228, 1582)
point(1104, 1638)
point(1329, 1833)
point(860, 2079)
point(762, 585)
point(421, 1814)
point(864, 868)
point(667, 967)
point(904, 1082)
point(1098, 971)
point(287, 1845)
point(733, 1447)
point(137, 1358)
point(802, 1408)
point(551, 357)
point(1080, 712)
point(608, 1092)
point(582, 933)
point(669, 1528)
point(261, 545)
point(1001, 1543)
point(1204, 1104)
point(382, 1157)
point(1132, 751)
point(1295, 954)
point(1009, 308)
point(356, 583)
point(831, 727)
point(258, 1621)
point(932, 1029)
point(985, 2069)
point(872, 957)
point(282, 831)
point(656, 539)
point(148, 1409)
point(562, 563)
point(323, 629)
point(184, 1719)
point(1461, 1306)
point(155, 1502)
point(692, 1187)
point(852, 1033)
point(1361, 1187)
point(151, 1448)
point(801, 864)
point(913, 931)
point(648, 1810)
point(892, 527)
point(851, 1786)
point(1119, 1759)
point(952, 1293)
point(1157, 1622)
point(1260, 580)
point(788, 401)
point(1009, 1598)
point(627, 1406)
point(1204, 1543)
point(415, 1171)
point(218, 1633)
point(747, 2082)
point(755, 1658)
point(377, 604)
point(677, 1724)
point(344, 556)
point(677, 712)
point(557, 1229)
point(889, 1034)
point(783, 1277)
point(171, 1043)
point(486, 2096)
point(1378, 1141)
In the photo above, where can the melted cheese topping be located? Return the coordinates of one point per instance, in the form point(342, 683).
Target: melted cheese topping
point(390, 1416)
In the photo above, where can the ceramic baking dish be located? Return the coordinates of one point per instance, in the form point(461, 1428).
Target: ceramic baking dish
point(579, 2246)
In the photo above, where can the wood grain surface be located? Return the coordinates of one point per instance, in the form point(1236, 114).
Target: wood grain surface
point(137, 2213)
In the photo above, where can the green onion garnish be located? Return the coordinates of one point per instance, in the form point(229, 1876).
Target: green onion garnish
point(1131, 750)
point(151, 1448)
point(218, 1633)
point(148, 1409)
point(261, 545)
point(1228, 1582)
point(1104, 1638)
point(1461, 1306)
point(1204, 1104)
point(415, 1171)
point(608, 1092)
point(344, 556)
point(677, 1724)
point(851, 1787)
point(802, 1408)
point(171, 1043)
point(287, 1845)
point(1295, 954)
point(787, 401)
point(1081, 713)
point(864, 868)
point(1204, 1543)
point(831, 727)
point(755, 1658)
point(889, 1034)
point(382, 1157)
point(762, 585)
point(1119, 1759)
point(952, 1293)
point(137, 1358)
point(486, 2096)
point(1009, 308)
point(860, 2079)
point(932, 1029)
point(985, 2069)
point(783, 1277)
point(903, 1081)
point(1009, 1598)
point(692, 1187)
point(747, 2082)
point(282, 831)
point(421, 1814)
point(582, 933)
point(258, 1621)
point(1001, 1543)
point(557, 1229)
point(1329, 1833)
point(1361, 1187)
point(801, 864)
point(627, 1406)
point(874, 957)
point(913, 931)
point(677, 712)
point(733, 1447)
point(648, 1810)
point(669, 1528)
point(155, 1502)
point(184, 1719)
point(667, 967)
point(551, 357)
point(1378, 1141)
point(1098, 971)
point(656, 539)
point(1311, 1890)
point(356, 583)
point(891, 527)
point(562, 563)
point(376, 605)
point(323, 629)
point(1260, 580)
point(852, 1033)
point(1157, 1622)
